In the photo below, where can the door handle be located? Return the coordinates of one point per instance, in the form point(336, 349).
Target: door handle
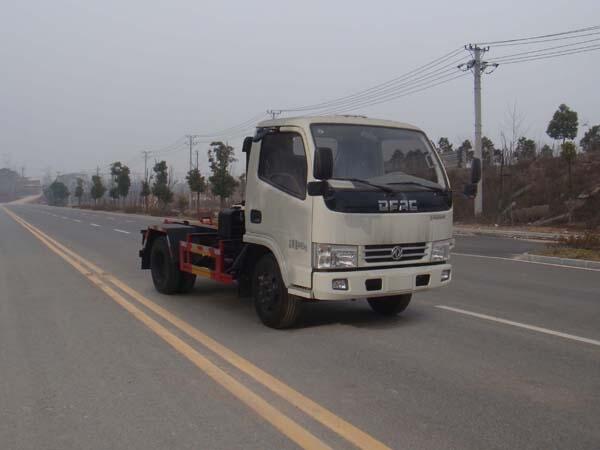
point(255, 216)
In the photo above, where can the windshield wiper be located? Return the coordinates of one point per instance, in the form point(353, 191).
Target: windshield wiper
point(381, 187)
point(426, 186)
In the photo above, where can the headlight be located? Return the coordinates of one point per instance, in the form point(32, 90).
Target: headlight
point(329, 256)
point(440, 250)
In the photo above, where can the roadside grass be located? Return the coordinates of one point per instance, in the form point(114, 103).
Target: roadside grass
point(584, 246)
point(571, 253)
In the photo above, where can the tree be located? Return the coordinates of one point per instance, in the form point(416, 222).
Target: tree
point(113, 193)
point(98, 189)
point(145, 193)
point(123, 182)
point(161, 188)
point(563, 125)
point(242, 184)
point(220, 157)
point(79, 190)
point(196, 183)
point(512, 129)
point(463, 151)
point(444, 145)
point(525, 149)
point(487, 150)
point(115, 168)
point(546, 151)
point(121, 179)
point(513, 124)
point(181, 202)
point(57, 194)
point(591, 140)
point(569, 153)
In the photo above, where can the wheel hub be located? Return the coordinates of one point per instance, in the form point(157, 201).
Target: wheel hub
point(268, 291)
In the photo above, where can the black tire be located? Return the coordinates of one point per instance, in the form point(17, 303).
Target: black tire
point(186, 282)
point(390, 306)
point(274, 306)
point(165, 273)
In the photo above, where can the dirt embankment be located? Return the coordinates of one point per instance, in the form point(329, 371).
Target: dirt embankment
point(535, 193)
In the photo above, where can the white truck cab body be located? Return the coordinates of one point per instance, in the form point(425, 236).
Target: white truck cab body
point(336, 208)
point(381, 227)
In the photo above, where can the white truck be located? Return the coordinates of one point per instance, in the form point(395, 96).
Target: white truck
point(336, 208)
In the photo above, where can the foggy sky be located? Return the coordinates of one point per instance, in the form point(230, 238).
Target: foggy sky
point(83, 84)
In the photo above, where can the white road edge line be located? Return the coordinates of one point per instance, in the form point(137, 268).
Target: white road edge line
point(94, 224)
point(121, 231)
point(523, 261)
point(521, 325)
point(77, 220)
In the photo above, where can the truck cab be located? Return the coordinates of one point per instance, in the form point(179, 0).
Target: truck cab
point(338, 208)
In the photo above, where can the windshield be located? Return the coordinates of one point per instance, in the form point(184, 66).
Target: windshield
point(383, 155)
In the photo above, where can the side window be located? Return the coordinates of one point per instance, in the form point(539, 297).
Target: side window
point(282, 163)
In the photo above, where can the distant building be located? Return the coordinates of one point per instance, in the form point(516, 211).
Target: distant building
point(14, 186)
point(8, 185)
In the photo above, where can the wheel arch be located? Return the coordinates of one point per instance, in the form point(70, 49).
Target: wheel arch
point(257, 250)
point(173, 236)
point(150, 235)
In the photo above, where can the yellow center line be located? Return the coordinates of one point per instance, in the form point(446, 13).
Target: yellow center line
point(327, 418)
point(280, 421)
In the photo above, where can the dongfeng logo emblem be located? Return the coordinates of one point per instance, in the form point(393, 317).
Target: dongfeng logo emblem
point(397, 205)
point(397, 253)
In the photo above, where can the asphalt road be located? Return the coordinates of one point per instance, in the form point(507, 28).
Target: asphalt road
point(506, 357)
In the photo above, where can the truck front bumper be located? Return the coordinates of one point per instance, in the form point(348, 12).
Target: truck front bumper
point(380, 282)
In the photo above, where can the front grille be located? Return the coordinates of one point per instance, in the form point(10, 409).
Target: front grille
point(395, 252)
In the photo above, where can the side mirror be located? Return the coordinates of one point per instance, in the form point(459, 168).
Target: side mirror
point(475, 171)
point(316, 188)
point(247, 145)
point(323, 167)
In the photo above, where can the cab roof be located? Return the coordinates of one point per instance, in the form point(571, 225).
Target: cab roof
point(306, 121)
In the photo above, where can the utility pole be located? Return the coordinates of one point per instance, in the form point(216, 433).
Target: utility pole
point(146, 153)
point(197, 159)
point(192, 141)
point(477, 66)
point(477, 51)
point(273, 112)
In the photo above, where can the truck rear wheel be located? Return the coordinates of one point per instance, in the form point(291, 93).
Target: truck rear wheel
point(186, 282)
point(275, 307)
point(390, 306)
point(165, 273)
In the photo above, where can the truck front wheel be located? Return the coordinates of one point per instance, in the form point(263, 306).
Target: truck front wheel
point(390, 306)
point(274, 306)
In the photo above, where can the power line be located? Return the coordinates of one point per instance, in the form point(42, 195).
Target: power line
point(228, 130)
point(391, 91)
point(586, 49)
point(499, 58)
point(562, 33)
point(164, 149)
point(376, 88)
point(532, 42)
point(403, 93)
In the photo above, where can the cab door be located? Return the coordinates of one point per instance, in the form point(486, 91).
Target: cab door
point(278, 209)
